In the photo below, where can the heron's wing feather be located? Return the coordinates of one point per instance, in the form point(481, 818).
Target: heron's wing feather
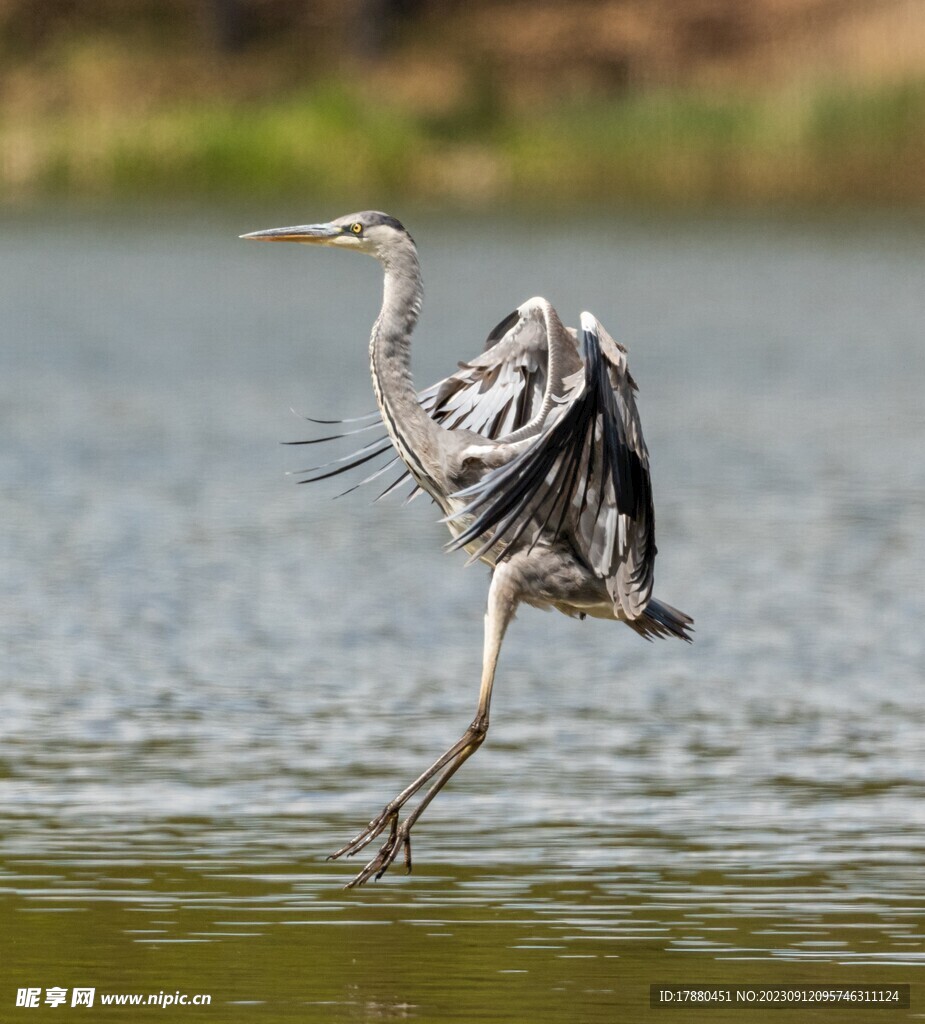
point(494, 395)
point(585, 478)
point(502, 389)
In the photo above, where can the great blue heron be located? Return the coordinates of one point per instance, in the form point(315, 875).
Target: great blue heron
point(534, 452)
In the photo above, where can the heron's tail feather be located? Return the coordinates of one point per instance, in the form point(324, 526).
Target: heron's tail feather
point(660, 619)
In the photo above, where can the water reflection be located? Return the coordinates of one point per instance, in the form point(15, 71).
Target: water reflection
point(212, 679)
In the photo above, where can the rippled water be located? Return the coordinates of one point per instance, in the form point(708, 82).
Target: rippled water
point(211, 678)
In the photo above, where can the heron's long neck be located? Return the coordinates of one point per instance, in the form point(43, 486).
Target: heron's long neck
point(416, 436)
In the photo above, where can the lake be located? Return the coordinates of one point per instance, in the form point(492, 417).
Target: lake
point(212, 678)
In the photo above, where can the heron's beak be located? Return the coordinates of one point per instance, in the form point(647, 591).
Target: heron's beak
point(317, 233)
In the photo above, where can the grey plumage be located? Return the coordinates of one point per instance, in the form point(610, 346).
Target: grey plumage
point(534, 452)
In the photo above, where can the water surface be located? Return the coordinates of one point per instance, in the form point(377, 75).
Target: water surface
point(211, 677)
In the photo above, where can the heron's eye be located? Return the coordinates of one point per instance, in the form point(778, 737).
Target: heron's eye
point(357, 228)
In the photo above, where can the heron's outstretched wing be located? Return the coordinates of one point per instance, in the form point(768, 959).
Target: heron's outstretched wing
point(498, 394)
point(584, 478)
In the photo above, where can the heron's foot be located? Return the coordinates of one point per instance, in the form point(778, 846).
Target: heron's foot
point(388, 816)
point(399, 838)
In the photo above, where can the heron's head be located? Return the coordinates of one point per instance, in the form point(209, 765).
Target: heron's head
point(372, 232)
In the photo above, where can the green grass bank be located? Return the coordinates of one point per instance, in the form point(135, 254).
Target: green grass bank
point(92, 122)
point(859, 146)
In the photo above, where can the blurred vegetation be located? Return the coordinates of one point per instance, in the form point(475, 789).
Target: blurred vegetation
point(370, 100)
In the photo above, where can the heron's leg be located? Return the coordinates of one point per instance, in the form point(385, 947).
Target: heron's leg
point(502, 603)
